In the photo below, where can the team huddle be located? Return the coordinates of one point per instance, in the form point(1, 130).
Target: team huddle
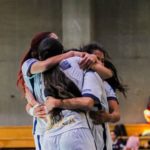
point(70, 94)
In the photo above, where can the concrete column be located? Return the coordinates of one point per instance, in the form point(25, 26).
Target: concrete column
point(76, 25)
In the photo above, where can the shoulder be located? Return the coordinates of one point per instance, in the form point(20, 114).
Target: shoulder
point(69, 63)
point(27, 65)
point(30, 61)
point(107, 86)
point(110, 93)
point(72, 59)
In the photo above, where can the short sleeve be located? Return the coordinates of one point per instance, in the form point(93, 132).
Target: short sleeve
point(27, 65)
point(92, 86)
point(70, 67)
point(111, 95)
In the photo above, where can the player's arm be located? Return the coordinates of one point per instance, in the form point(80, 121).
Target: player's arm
point(29, 97)
point(91, 61)
point(91, 92)
point(36, 111)
point(34, 108)
point(41, 66)
point(82, 103)
point(104, 72)
point(102, 116)
point(114, 111)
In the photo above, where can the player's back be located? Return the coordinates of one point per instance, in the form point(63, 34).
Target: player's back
point(72, 70)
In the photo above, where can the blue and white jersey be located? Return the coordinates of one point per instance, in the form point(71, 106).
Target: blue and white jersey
point(111, 95)
point(89, 82)
point(26, 75)
point(95, 90)
point(73, 119)
point(101, 133)
point(39, 125)
point(72, 70)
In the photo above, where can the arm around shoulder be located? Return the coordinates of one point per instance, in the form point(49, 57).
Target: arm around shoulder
point(41, 66)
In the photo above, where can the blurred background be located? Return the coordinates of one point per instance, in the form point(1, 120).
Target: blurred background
point(122, 26)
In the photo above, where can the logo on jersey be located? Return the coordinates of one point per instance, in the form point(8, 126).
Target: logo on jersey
point(65, 65)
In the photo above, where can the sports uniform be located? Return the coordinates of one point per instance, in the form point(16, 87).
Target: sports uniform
point(101, 133)
point(89, 88)
point(111, 95)
point(72, 132)
point(35, 82)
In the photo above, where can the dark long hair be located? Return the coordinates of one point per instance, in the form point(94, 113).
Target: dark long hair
point(55, 81)
point(114, 81)
point(90, 48)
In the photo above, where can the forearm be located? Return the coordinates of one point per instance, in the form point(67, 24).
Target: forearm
point(104, 72)
point(114, 117)
point(29, 97)
point(28, 106)
point(32, 102)
point(30, 109)
point(36, 110)
point(102, 116)
point(83, 103)
point(114, 112)
point(42, 66)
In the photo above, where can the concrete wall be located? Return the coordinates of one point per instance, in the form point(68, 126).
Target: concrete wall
point(122, 26)
point(76, 22)
point(19, 21)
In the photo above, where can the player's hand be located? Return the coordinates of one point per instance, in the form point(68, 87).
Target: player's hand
point(52, 103)
point(78, 53)
point(73, 53)
point(40, 111)
point(88, 60)
point(53, 35)
point(99, 117)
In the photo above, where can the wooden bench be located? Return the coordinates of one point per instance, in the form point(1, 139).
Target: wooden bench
point(16, 137)
point(136, 129)
point(21, 136)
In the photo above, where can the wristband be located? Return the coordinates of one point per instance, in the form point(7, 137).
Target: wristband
point(31, 110)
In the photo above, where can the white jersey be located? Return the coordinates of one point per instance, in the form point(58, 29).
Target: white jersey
point(73, 119)
point(84, 80)
point(102, 132)
point(111, 95)
point(34, 81)
point(90, 85)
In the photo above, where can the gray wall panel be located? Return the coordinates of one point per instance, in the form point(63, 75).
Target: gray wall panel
point(19, 21)
point(124, 28)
